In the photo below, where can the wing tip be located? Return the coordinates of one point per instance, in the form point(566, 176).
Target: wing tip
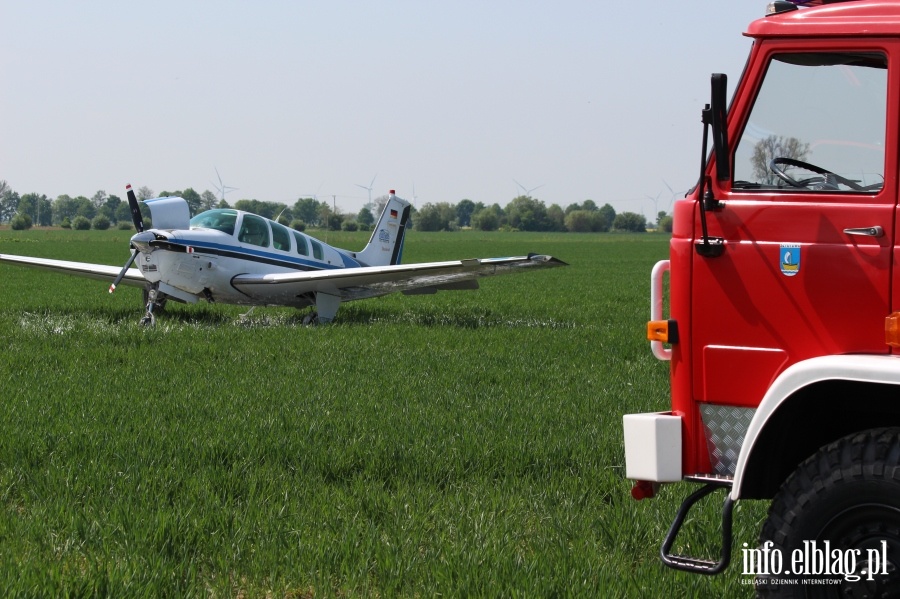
point(546, 259)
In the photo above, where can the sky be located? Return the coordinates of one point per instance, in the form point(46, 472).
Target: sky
point(564, 101)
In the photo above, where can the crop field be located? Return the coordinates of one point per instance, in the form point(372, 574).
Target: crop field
point(462, 444)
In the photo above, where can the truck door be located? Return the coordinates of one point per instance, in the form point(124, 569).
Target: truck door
point(808, 221)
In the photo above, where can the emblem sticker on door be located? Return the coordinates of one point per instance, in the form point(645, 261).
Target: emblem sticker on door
point(789, 256)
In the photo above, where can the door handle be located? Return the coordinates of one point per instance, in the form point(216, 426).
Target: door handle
point(875, 231)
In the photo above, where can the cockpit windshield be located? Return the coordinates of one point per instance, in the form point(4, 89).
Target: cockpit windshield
point(220, 220)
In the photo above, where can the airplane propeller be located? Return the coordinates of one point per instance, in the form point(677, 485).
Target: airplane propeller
point(138, 221)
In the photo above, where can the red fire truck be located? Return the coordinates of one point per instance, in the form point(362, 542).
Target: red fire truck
point(779, 306)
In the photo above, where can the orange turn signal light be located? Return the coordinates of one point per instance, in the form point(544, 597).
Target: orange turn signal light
point(892, 330)
point(665, 331)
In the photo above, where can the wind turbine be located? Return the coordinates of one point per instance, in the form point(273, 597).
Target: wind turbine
point(672, 191)
point(221, 187)
point(369, 188)
point(525, 191)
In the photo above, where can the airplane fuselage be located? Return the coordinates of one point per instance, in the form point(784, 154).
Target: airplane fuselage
point(203, 261)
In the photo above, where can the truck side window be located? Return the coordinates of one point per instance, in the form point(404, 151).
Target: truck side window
point(818, 124)
point(254, 230)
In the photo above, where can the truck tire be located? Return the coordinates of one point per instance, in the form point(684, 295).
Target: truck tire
point(848, 494)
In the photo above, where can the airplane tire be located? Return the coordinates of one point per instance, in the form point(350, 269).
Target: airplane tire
point(848, 494)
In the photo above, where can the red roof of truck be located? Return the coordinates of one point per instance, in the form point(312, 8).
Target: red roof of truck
point(854, 18)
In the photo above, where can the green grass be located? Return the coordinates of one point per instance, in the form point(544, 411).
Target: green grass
point(461, 444)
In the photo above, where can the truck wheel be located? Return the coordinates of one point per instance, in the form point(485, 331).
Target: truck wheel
point(848, 495)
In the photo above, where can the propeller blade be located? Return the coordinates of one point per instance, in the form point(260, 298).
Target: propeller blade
point(136, 217)
point(125, 268)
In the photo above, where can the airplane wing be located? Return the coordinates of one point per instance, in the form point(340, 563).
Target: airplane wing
point(364, 282)
point(102, 272)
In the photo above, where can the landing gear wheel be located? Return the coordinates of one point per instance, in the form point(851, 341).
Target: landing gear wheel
point(159, 304)
point(311, 319)
point(155, 301)
point(847, 493)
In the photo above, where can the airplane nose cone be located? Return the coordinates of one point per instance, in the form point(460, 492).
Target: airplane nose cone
point(142, 240)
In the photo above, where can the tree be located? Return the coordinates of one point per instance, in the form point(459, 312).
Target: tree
point(193, 200)
point(270, 210)
point(488, 219)
point(556, 218)
point(464, 211)
point(609, 215)
point(144, 193)
point(436, 217)
point(112, 207)
point(365, 217)
point(665, 224)
point(207, 200)
point(98, 199)
point(586, 221)
point(629, 221)
point(9, 204)
point(100, 223)
point(84, 207)
point(20, 222)
point(38, 207)
point(379, 203)
point(775, 146)
point(307, 210)
point(527, 214)
point(64, 208)
point(80, 223)
point(123, 213)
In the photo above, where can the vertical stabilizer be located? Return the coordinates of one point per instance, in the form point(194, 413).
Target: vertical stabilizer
point(385, 247)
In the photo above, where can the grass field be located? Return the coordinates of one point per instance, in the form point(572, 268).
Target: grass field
point(461, 444)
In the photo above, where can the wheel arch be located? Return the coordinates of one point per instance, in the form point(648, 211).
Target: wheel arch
point(810, 405)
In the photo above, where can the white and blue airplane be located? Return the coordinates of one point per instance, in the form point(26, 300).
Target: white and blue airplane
point(235, 257)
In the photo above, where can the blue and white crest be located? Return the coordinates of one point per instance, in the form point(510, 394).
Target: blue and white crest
point(789, 257)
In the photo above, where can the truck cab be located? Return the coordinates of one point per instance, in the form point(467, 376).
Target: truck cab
point(780, 323)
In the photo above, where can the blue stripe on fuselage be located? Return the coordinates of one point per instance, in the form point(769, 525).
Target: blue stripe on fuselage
point(251, 255)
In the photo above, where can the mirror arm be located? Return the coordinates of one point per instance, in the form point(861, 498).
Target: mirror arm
point(713, 116)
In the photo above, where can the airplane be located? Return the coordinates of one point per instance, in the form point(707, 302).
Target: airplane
point(235, 257)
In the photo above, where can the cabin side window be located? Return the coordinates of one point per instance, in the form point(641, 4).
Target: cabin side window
point(302, 248)
point(318, 254)
point(254, 230)
point(281, 239)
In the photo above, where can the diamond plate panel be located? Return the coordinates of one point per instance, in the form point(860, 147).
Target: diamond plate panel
point(725, 429)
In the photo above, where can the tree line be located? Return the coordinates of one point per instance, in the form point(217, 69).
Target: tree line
point(523, 213)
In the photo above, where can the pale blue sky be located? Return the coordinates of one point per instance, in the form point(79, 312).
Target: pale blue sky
point(596, 100)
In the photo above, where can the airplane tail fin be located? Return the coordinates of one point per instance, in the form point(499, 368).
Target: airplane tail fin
point(385, 247)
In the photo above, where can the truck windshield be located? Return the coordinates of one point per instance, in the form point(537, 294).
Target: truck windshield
point(817, 124)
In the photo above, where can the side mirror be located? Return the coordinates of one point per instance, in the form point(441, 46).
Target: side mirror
point(719, 123)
